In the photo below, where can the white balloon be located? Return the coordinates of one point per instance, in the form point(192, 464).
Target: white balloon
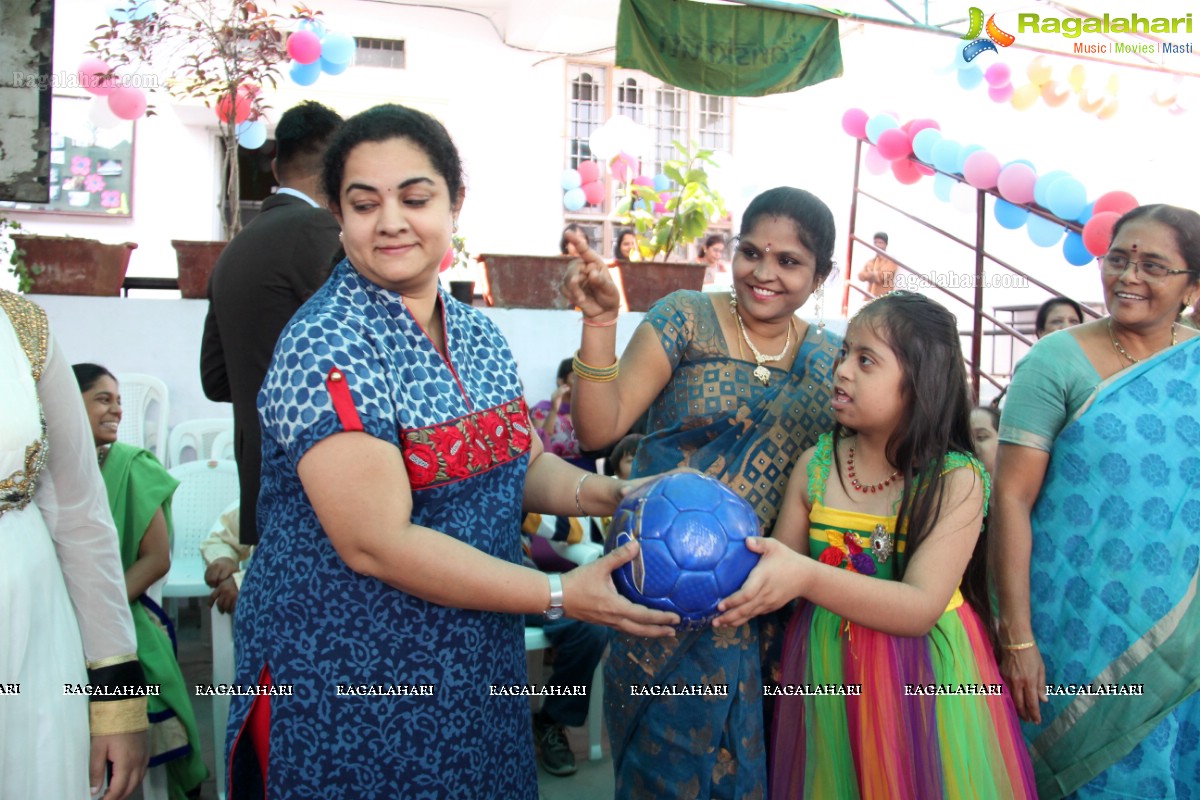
point(101, 115)
point(620, 134)
point(602, 144)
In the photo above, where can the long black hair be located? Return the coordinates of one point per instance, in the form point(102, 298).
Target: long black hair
point(813, 220)
point(937, 421)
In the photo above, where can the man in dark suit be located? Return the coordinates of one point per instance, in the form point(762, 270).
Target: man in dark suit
point(265, 273)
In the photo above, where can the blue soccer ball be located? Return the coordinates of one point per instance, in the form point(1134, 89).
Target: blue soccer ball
point(692, 530)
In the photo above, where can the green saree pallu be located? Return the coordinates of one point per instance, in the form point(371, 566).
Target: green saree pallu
point(1113, 583)
point(138, 486)
point(716, 417)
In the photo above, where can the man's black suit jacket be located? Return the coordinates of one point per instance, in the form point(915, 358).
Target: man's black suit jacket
point(262, 277)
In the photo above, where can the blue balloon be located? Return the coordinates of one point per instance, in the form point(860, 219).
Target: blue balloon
point(970, 77)
point(118, 13)
point(252, 135)
point(1010, 216)
point(337, 48)
point(330, 68)
point(1042, 187)
point(661, 183)
point(943, 185)
point(1086, 214)
point(1024, 161)
point(313, 25)
point(570, 180)
point(1074, 252)
point(574, 199)
point(878, 124)
point(923, 142)
point(947, 155)
point(144, 9)
point(304, 74)
point(1066, 198)
point(1043, 232)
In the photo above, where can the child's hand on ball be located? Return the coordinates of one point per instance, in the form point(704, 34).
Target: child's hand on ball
point(589, 595)
point(774, 581)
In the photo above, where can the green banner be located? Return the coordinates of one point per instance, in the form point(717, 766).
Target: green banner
point(727, 50)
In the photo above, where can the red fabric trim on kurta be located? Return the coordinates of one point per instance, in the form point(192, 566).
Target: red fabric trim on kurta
point(466, 446)
point(339, 394)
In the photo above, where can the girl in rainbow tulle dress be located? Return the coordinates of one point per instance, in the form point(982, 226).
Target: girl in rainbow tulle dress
point(889, 686)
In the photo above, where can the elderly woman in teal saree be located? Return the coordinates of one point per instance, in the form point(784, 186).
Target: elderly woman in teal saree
point(1095, 547)
point(736, 388)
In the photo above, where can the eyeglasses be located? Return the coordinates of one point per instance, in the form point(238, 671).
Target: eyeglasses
point(1116, 264)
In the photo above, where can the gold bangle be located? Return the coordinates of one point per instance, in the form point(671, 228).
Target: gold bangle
point(578, 489)
point(1018, 646)
point(588, 323)
point(587, 372)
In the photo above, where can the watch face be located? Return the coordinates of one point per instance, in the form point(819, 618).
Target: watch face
point(554, 613)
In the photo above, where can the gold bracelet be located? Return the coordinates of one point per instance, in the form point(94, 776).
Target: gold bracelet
point(1018, 646)
point(587, 372)
point(578, 489)
point(587, 322)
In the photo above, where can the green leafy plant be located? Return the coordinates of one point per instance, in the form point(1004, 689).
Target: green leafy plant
point(686, 213)
point(221, 52)
point(16, 256)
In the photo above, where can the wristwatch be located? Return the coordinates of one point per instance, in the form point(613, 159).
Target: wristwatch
point(555, 611)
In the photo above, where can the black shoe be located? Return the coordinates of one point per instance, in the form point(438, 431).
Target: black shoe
point(554, 751)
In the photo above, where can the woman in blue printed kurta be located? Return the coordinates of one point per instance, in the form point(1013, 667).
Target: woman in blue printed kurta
point(397, 458)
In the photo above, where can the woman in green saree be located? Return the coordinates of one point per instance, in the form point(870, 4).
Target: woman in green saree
point(139, 494)
point(736, 386)
point(1094, 548)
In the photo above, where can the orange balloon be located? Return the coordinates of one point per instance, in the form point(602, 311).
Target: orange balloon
point(1090, 102)
point(1051, 95)
point(1077, 78)
point(1164, 98)
point(1109, 110)
point(1039, 71)
point(1024, 97)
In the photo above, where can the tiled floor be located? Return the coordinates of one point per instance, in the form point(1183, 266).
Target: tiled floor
point(593, 781)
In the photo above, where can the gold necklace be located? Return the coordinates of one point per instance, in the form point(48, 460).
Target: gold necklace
point(1112, 335)
point(761, 372)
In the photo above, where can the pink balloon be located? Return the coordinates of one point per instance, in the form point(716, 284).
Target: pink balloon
point(589, 171)
point(997, 75)
point(906, 171)
point(1097, 232)
point(660, 207)
point(1015, 183)
point(923, 168)
point(854, 123)
point(127, 102)
point(642, 180)
point(90, 72)
point(981, 169)
point(304, 47)
point(917, 125)
point(593, 191)
point(448, 259)
point(1119, 202)
point(893, 144)
point(876, 163)
point(1000, 94)
point(623, 166)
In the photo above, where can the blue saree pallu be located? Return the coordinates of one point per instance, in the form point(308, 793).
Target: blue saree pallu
point(1113, 579)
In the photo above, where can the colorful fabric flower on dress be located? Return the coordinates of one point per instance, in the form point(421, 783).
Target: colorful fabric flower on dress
point(520, 429)
point(452, 446)
point(846, 549)
point(94, 183)
point(491, 425)
point(81, 165)
point(481, 453)
point(422, 463)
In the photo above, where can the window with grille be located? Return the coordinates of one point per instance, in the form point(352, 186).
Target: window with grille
point(386, 53)
point(596, 91)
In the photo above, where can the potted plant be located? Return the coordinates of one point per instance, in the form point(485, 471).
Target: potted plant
point(220, 52)
point(16, 256)
point(666, 221)
point(69, 265)
point(461, 275)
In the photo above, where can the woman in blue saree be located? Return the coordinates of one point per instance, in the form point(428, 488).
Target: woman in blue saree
point(736, 387)
point(1094, 549)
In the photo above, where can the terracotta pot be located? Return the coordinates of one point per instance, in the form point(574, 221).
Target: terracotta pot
point(644, 282)
point(195, 262)
point(67, 265)
point(463, 291)
point(526, 281)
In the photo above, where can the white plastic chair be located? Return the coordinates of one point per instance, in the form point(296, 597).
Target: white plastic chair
point(193, 440)
point(206, 488)
point(222, 446)
point(222, 672)
point(144, 419)
point(536, 641)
